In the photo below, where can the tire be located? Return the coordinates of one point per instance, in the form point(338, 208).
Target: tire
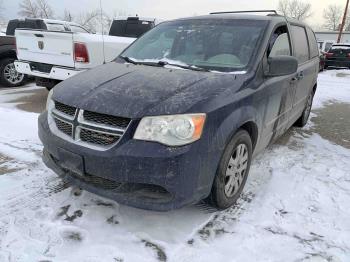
point(232, 172)
point(9, 77)
point(304, 118)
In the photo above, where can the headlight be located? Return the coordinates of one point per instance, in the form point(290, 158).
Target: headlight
point(172, 130)
point(50, 104)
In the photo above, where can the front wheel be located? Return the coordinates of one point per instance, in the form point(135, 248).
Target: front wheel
point(9, 75)
point(233, 171)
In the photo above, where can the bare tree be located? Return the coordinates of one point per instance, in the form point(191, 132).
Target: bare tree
point(28, 8)
point(45, 10)
point(67, 16)
point(89, 20)
point(332, 16)
point(295, 9)
point(35, 9)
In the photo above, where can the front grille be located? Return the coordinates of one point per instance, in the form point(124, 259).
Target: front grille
point(86, 128)
point(65, 109)
point(64, 127)
point(108, 120)
point(98, 138)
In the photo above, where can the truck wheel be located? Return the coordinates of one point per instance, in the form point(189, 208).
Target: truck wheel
point(233, 171)
point(302, 121)
point(9, 75)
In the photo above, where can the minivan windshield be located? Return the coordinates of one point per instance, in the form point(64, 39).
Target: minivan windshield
point(211, 44)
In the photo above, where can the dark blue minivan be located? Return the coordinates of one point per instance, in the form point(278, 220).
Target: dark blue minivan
point(179, 115)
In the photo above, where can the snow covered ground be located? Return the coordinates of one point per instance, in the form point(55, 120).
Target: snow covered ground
point(296, 205)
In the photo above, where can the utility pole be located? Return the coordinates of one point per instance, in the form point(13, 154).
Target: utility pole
point(343, 22)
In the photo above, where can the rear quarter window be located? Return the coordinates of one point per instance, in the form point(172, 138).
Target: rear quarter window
point(300, 43)
point(340, 49)
point(312, 43)
point(130, 28)
point(55, 27)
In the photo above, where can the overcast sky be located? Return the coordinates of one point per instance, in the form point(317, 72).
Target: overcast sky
point(168, 8)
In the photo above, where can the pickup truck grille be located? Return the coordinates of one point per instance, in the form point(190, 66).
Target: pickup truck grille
point(90, 129)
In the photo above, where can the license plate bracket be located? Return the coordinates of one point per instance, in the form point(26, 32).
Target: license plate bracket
point(71, 161)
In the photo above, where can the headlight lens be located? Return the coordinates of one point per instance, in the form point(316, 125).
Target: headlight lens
point(50, 104)
point(172, 130)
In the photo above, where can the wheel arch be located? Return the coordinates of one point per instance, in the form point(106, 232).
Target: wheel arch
point(8, 54)
point(253, 131)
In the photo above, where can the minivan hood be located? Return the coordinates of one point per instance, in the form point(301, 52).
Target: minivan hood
point(134, 91)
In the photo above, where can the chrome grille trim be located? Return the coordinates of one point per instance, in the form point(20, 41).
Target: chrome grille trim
point(82, 121)
point(102, 137)
point(63, 110)
point(57, 119)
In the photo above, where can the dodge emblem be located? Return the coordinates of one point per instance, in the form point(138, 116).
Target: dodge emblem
point(41, 45)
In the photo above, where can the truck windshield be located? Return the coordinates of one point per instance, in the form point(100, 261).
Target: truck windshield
point(216, 45)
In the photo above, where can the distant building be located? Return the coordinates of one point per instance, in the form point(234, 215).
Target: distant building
point(332, 35)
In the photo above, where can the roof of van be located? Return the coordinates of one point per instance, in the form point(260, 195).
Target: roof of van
point(270, 17)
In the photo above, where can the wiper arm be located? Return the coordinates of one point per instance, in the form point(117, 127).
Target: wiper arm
point(190, 67)
point(129, 60)
point(163, 63)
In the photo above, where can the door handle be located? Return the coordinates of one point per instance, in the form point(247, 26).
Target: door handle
point(294, 79)
point(300, 75)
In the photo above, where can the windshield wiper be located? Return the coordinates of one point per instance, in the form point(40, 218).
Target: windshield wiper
point(189, 67)
point(129, 60)
point(164, 63)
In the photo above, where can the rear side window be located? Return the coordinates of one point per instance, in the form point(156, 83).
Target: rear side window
point(130, 28)
point(55, 27)
point(312, 43)
point(300, 42)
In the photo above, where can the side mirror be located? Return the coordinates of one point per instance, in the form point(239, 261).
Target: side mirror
point(282, 65)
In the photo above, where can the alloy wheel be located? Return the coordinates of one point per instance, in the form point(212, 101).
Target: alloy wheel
point(11, 75)
point(236, 170)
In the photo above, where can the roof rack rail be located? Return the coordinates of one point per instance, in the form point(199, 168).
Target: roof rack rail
point(248, 11)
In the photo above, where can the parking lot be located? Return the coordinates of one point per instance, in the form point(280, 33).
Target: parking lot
point(296, 200)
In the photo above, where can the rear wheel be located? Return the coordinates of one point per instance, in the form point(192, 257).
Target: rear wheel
point(302, 121)
point(233, 171)
point(9, 75)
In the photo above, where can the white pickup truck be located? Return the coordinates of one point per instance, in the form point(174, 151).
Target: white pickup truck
point(53, 56)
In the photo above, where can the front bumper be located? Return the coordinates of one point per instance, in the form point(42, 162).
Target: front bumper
point(136, 173)
point(57, 73)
